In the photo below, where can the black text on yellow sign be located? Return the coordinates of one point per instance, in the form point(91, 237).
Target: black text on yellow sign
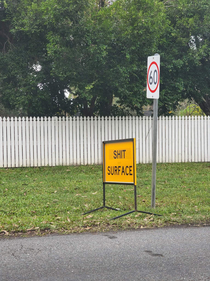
point(119, 161)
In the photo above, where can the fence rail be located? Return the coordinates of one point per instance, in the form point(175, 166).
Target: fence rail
point(45, 141)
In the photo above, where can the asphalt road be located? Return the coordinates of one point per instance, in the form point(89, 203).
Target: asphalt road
point(165, 254)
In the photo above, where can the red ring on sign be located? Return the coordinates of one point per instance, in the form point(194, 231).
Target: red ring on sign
point(152, 91)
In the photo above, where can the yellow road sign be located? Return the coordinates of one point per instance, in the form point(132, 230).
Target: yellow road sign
point(119, 161)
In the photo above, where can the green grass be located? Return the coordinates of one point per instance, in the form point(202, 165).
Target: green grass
point(53, 199)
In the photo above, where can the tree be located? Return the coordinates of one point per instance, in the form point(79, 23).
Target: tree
point(28, 80)
point(117, 42)
point(185, 69)
point(96, 52)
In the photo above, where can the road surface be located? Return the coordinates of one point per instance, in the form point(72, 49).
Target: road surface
point(165, 254)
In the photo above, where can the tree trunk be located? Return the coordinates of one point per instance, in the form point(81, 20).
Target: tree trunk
point(204, 104)
point(89, 110)
point(106, 105)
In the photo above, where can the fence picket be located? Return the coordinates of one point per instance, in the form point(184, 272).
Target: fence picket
point(38, 127)
point(169, 120)
point(172, 139)
point(41, 142)
point(202, 148)
point(1, 144)
point(71, 141)
point(8, 142)
point(208, 139)
point(60, 142)
point(12, 142)
point(85, 141)
point(159, 148)
point(81, 129)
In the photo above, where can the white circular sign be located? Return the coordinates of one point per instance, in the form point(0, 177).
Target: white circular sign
point(153, 77)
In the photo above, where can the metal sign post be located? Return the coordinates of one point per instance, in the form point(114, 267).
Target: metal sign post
point(153, 89)
point(154, 150)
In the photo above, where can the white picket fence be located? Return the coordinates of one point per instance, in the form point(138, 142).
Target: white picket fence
point(26, 142)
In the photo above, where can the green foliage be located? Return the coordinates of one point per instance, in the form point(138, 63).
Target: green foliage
point(23, 86)
point(100, 50)
point(185, 55)
point(191, 110)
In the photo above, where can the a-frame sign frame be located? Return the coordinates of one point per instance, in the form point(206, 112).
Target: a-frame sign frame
point(119, 167)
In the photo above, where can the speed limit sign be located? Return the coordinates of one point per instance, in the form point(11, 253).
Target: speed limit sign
point(153, 77)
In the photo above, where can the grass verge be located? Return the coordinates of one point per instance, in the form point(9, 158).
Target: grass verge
point(52, 199)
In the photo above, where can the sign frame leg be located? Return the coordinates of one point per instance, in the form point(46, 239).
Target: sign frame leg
point(135, 210)
point(104, 203)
